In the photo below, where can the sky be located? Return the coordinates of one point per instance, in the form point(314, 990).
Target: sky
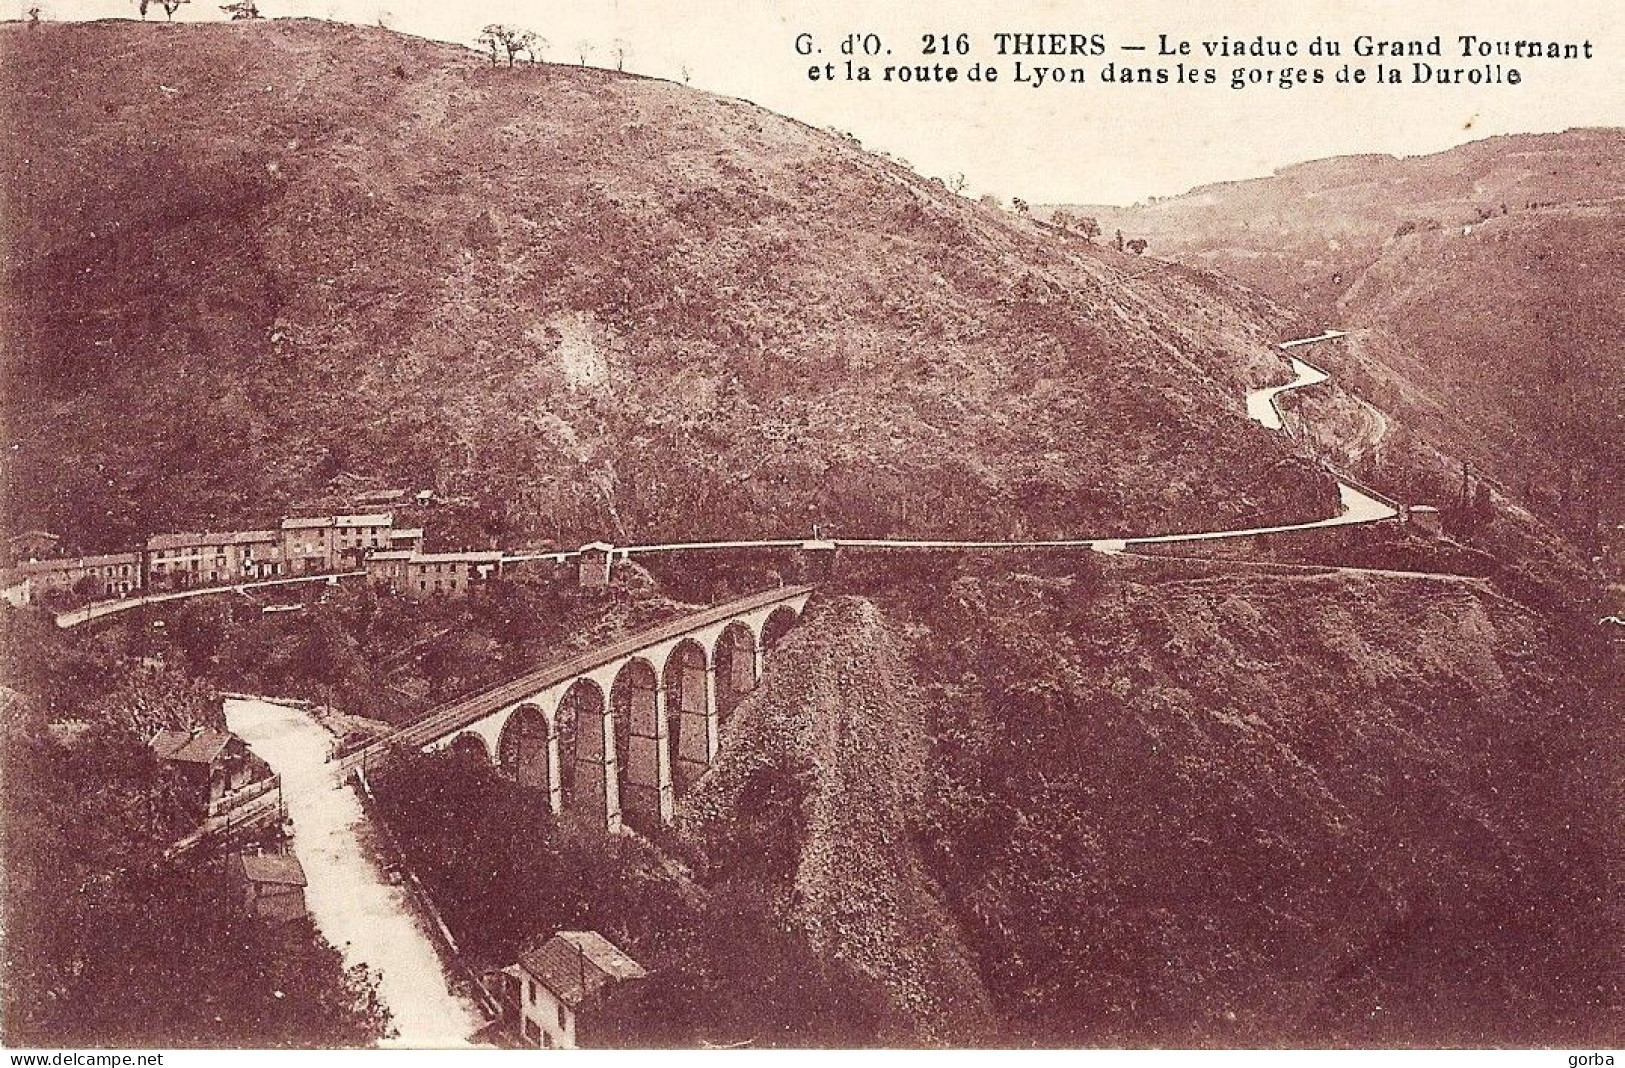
point(1058, 143)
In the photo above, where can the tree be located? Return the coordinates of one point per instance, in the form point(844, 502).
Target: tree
point(1137, 246)
point(1020, 206)
point(621, 50)
point(170, 7)
point(688, 75)
point(957, 183)
point(242, 10)
point(1085, 225)
point(584, 49)
point(1120, 241)
point(510, 41)
point(33, 14)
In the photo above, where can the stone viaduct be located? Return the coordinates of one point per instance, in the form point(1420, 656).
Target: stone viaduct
point(615, 733)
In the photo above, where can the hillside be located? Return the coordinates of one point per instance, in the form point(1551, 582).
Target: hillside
point(817, 797)
point(1010, 798)
point(1174, 805)
point(1305, 234)
point(1482, 286)
point(246, 259)
point(1503, 345)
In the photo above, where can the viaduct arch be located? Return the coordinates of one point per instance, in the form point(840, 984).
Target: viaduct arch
point(614, 736)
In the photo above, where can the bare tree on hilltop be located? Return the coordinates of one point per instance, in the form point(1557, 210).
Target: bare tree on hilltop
point(621, 50)
point(169, 6)
point(242, 10)
point(584, 49)
point(508, 40)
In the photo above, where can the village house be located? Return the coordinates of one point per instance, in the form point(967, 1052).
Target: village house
point(593, 564)
point(107, 575)
point(555, 994)
point(408, 538)
point(452, 574)
point(333, 542)
point(16, 590)
point(208, 763)
point(388, 569)
point(211, 558)
point(354, 536)
point(307, 544)
point(256, 554)
point(273, 884)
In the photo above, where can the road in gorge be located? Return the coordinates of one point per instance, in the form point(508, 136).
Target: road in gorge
point(351, 900)
point(1357, 507)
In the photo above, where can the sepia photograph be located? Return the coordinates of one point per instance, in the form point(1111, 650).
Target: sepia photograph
point(797, 525)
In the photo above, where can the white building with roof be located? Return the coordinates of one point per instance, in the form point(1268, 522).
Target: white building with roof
point(556, 989)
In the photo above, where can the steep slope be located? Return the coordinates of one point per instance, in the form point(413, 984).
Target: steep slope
point(1482, 285)
point(1305, 234)
point(1502, 342)
point(816, 795)
point(245, 259)
point(1177, 804)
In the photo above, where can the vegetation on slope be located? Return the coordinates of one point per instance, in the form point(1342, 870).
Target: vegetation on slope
point(106, 943)
point(247, 258)
point(390, 657)
point(1482, 288)
point(815, 800)
point(1181, 807)
point(506, 875)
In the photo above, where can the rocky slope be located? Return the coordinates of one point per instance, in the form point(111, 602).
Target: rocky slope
point(246, 259)
point(817, 795)
point(1179, 804)
point(1482, 286)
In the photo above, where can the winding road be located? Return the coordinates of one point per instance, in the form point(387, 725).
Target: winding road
point(1358, 505)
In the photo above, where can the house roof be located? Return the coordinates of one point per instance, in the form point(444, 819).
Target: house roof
point(405, 533)
point(107, 558)
point(365, 519)
point(392, 554)
point(187, 540)
point(203, 745)
point(284, 869)
point(307, 522)
point(487, 556)
point(575, 965)
point(39, 567)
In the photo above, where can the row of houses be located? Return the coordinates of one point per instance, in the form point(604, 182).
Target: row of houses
point(392, 557)
point(177, 561)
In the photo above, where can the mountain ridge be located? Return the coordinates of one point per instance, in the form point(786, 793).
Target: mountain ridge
point(588, 300)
